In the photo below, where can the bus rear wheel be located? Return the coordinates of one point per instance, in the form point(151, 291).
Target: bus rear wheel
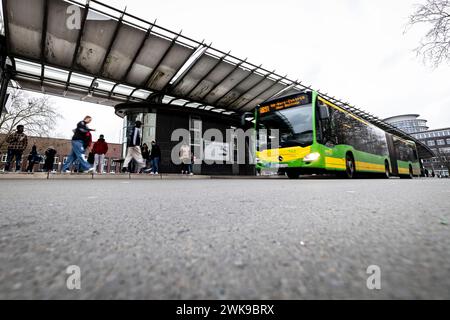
point(387, 171)
point(350, 168)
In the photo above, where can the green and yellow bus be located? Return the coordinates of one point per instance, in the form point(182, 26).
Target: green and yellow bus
point(305, 133)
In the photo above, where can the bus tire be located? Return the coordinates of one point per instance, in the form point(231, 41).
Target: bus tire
point(387, 171)
point(293, 175)
point(350, 168)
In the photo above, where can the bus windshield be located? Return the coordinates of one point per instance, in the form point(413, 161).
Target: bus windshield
point(295, 127)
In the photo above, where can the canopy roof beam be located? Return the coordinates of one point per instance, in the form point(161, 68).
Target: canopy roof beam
point(161, 60)
point(111, 44)
point(43, 41)
point(237, 85)
point(77, 46)
point(207, 75)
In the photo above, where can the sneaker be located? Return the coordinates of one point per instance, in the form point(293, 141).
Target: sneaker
point(90, 171)
point(66, 171)
point(182, 172)
point(152, 173)
point(156, 173)
point(191, 174)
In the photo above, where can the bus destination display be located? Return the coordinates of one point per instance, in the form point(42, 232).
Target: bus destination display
point(285, 104)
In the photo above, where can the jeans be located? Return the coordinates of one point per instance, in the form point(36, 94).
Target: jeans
point(78, 153)
point(155, 165)
point(99, 159)
point(14, 154)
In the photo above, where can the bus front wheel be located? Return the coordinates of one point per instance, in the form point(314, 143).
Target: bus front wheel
point(293, 175)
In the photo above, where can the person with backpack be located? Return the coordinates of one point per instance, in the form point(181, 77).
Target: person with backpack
point(80, 142)
point(100, 149)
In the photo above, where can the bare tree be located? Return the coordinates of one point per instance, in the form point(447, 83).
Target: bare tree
point(435, 45)
point(37, 115)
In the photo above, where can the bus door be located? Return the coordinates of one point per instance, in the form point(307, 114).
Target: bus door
point(392, 154)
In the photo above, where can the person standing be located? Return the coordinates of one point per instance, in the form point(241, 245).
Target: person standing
point(80, 141)
point(185, 158)
point(17, 143)
point(100, 149)
point(146, 155)
point(50, 155)
point(33, 157)
point(155, 157)
point(134, 148)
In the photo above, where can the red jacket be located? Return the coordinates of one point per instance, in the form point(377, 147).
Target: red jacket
point(100, 147)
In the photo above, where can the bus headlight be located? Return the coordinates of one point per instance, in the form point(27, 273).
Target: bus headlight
point(312, 157)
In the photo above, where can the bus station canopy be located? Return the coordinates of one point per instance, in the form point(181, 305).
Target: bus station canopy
point(93, 52)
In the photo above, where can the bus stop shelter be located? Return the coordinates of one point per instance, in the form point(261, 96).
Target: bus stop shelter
point(95, 53)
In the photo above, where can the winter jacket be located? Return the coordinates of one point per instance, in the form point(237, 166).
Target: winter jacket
point(17, 141)
point(88, 140)
point(130, 137)
point(34, 156)
point(145, 153)
point(156, 152)
point(185, 153)
point(50, 155)
point(100, 147)
point(82, 133)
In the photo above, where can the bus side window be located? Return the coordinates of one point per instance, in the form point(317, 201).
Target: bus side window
point(327, 124)
point(415, 155)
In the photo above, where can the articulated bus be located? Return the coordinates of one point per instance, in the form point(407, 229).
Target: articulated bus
point(304, 133)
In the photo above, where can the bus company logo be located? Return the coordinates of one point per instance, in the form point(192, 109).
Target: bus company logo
point(280, 158)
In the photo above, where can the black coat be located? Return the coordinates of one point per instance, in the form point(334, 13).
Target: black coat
point(130, 136)
point(49, 159)
point(156, 152)
point(82, 133)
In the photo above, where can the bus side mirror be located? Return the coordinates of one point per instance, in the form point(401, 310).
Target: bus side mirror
point(324, 113)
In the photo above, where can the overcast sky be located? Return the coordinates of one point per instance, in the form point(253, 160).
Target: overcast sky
point(355, 50)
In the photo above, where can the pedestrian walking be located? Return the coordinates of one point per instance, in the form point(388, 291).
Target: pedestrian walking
point(134, 148)
point(100, 149)
point(80, 141)
point(155, 157)
point(17, 143)
point(33, 158)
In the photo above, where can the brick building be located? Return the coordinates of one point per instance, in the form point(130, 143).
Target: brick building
point(63, 148)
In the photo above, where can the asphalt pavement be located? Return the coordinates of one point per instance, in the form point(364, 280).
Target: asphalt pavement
point(225, 239)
